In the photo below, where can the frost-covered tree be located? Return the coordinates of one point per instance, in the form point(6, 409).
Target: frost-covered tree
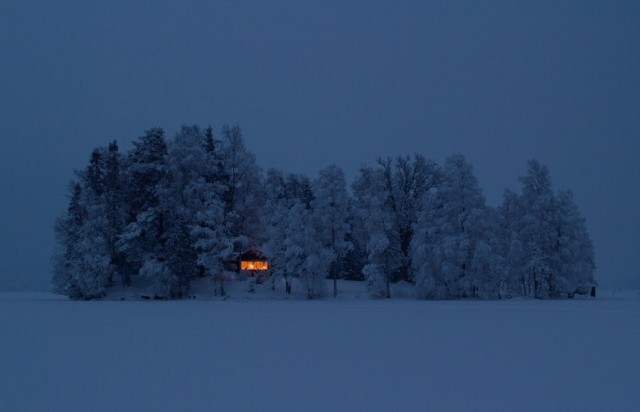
point(209, 227)
point(275, 219)
point(576, 258)
point(274, 247)
point(293, 245)
point(195, 236)
point(376, 223)
point(142, 240)
point(299, 187)
point(212, 241)
point(548, 252)
point(331, 214)
point(184, 168)
point(244, 195)
point(215, 152)
point(164, 234)
point(146, 167)
point(454, 254)
point(86, 258)
point(538, 232)
point(304, 253)
point(405, 181)
point(67, 230)
point(116, 210)
point(387, 203)
point(94, 176)
point(512, 244)
point(82, 266)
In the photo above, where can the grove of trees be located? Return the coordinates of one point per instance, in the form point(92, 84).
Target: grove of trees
point(172, 210)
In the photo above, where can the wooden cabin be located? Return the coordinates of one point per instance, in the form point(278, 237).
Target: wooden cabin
point(253, 262)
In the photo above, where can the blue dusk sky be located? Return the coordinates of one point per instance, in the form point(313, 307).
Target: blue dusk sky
point(314, 83)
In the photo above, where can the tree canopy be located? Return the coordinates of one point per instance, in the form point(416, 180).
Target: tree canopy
point(173, 210)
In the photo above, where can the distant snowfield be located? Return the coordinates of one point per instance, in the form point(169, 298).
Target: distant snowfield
point(296, 355)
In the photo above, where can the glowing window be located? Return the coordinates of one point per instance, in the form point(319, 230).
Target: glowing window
point(254, 265)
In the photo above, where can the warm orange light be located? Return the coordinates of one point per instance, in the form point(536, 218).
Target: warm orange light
point(254, 265)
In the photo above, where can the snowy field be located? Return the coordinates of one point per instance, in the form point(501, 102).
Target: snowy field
point(296, 355)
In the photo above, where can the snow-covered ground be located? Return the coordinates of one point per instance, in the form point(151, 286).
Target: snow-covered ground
point(352, 354)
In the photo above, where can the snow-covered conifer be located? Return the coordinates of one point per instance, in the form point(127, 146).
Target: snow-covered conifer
point(142, 239)
point(244, 195)
point(116, 209)
point(184, 196)
point(145, 170)
point(575, 256)
point(82, 266)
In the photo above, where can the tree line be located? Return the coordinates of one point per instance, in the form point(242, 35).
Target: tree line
point(173, 210)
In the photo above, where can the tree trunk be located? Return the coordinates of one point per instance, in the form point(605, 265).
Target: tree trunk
point(386, 278)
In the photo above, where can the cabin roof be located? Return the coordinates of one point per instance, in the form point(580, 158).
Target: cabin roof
point(253, 255)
